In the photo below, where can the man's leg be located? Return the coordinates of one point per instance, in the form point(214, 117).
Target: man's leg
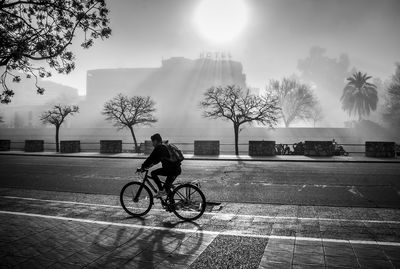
point(155, 174)
point(171, 178)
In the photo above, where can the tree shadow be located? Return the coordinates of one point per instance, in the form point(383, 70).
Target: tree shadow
point(147, 246)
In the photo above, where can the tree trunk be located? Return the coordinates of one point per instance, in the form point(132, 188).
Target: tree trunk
point(57, 135)
point(286, 122)
point(236, 129)
point(134, 139)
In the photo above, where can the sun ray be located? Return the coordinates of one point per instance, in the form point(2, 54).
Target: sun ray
point(221, 20)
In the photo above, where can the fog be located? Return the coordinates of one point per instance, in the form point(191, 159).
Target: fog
point(319, 42)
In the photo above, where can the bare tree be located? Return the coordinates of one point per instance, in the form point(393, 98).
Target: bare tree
point(56, 116)
point(127, 112)
point(316, 114)
point(295, 99)
point(42, 31)
point(234, 104)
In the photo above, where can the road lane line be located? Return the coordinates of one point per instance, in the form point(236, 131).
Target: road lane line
point(179, 230)
point(58, 201)
point(213, 213)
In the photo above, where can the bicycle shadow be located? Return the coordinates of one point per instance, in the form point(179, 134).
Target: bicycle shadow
point(146, 247)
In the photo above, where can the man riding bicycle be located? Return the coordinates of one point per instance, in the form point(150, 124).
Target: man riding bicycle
point(185, 199)
point(169, 168)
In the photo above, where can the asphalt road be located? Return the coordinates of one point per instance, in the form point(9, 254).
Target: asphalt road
point(330, 184)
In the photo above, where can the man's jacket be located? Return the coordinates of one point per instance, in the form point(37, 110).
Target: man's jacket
point(160, 154)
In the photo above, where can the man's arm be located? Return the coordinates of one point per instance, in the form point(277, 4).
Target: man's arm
point(154, 158)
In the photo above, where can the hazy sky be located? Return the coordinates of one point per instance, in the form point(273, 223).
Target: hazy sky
point(277, 34)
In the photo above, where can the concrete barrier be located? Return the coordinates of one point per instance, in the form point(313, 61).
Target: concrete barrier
point(261, 148)
point(70, 146)
point(34, 145)
point(380, 149)
point(5, 145)
point(318, 148)
point(206, 147)
point(148, 147)
point(110, 146)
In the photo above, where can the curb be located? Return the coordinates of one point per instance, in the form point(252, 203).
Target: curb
point(110, 156)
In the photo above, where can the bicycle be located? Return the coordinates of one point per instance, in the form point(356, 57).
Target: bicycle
point(186, 200)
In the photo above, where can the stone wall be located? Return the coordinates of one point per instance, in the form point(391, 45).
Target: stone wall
point(380, 149)
point(5, 145)
point(318, 148)
point(34, 145)
point(110, 146)
point(71, 146)
point(206, 147)
point(261, 148)
point(148, 147)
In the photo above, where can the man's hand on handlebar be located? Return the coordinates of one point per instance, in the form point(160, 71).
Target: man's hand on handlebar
point(141, 170)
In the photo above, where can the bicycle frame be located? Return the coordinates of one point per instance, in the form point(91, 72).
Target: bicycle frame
point(164, 202)
point(145, 180)
point(178, 199)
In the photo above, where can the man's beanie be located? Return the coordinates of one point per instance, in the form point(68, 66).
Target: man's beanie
point(156, 137)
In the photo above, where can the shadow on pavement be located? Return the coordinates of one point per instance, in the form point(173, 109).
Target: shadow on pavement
point(146, 247)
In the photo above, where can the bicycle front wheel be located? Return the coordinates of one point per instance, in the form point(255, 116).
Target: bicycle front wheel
point(136, 199)
point(189, 202)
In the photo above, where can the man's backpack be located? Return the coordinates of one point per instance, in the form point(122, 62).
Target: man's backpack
point(176, 155)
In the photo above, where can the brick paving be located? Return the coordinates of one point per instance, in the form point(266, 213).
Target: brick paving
point(49, 233)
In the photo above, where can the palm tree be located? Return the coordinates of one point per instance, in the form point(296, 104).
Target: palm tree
point(359, 96)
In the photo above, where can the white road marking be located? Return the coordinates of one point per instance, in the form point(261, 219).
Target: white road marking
point(228, 215)
point(356, 192)
point(58, 201)
point(199, 231)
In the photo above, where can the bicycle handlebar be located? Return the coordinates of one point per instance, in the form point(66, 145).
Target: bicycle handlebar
point(140, 170)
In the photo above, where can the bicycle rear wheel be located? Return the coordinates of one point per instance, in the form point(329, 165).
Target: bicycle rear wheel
point(134, 203)
point(188, 201)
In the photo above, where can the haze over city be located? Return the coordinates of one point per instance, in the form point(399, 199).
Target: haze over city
point(319, 42)
point(201, 134)
point(276, 34)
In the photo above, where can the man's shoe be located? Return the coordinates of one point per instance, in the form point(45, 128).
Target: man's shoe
point(160, 194)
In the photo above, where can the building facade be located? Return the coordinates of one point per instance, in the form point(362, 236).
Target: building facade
point(177, 87)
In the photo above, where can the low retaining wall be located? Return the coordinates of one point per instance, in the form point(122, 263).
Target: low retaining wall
point(34, 145)
point(206, 147)
point(110, 146)
point(380, 149)
point(5, 145)
point(148, 147)
point(318, 148)
point(261, 148)
point(70, 146)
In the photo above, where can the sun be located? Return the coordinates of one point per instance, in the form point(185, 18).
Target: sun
point(220, 20)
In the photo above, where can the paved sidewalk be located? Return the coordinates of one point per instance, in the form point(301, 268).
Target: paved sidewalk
point(40, 229)
point(358, 158)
